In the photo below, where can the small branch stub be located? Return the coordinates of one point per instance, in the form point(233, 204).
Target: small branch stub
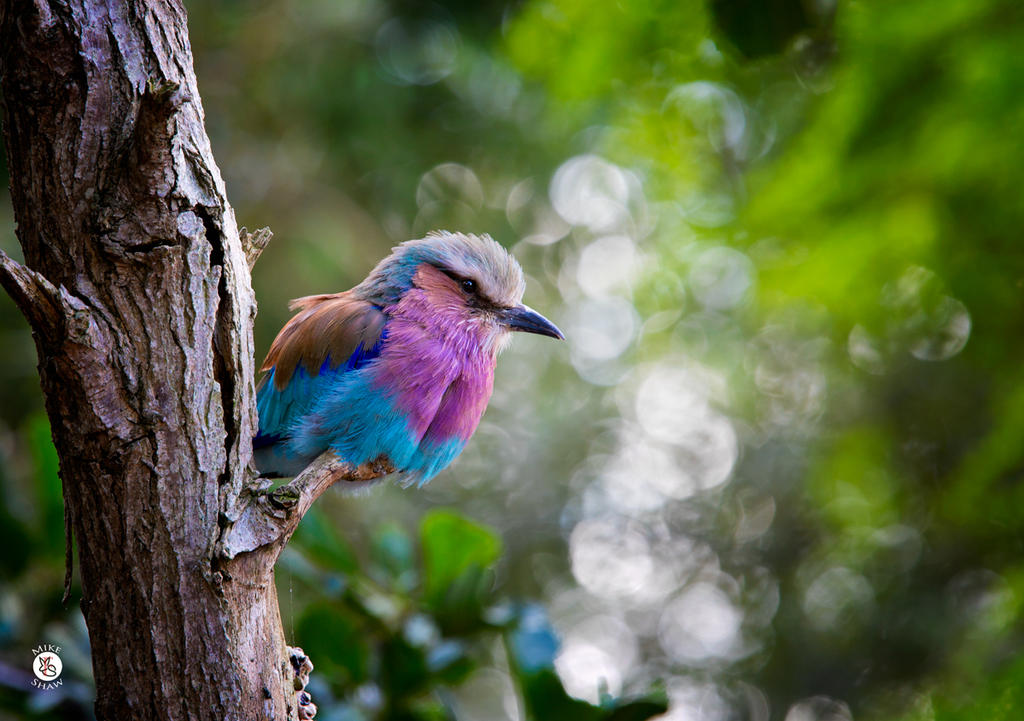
point(254, 243)
point(46, 307)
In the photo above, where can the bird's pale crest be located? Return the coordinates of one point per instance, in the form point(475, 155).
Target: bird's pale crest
point(475, 257)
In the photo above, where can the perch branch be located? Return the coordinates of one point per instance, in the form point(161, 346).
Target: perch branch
point(270, 515)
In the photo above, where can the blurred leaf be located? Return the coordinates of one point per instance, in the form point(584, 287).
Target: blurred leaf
point(336, 642)
point(404, 669)
point(456, 552)
point(460, 609)
point(546, 700)
point(637, 710)
point(322, 541)
point(758, 27)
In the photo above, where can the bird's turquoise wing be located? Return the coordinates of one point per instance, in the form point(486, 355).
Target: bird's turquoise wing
point(332, 336)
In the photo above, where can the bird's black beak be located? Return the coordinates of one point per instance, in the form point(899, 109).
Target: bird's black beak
point(527, 320)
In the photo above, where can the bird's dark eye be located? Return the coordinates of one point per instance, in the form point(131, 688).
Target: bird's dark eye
point(469, 285)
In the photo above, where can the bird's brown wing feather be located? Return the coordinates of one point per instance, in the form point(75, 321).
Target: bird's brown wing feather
point(333, 325)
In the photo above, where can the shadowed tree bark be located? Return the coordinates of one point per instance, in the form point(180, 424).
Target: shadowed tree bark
point(136, 285)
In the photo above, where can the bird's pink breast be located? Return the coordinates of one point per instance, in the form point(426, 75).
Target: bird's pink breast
point(438, 367)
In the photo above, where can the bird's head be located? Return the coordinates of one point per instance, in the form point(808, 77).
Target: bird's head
point(466, 277)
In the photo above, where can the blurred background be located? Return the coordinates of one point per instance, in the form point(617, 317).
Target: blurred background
point(777, 470)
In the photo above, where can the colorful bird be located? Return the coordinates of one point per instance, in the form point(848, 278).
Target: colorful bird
point(398, 369)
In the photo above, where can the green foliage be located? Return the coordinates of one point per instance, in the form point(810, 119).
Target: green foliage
point(333, 637)
point(867, 173)
point(323, 542)
point(395, 633)
point(456, 556)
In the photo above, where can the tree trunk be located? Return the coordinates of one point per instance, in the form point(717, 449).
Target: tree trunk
point(137, 289)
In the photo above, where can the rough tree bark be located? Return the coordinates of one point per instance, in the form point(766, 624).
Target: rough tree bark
point(136, 286)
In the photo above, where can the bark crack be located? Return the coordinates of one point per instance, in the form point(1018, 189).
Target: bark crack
point(221, 365)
